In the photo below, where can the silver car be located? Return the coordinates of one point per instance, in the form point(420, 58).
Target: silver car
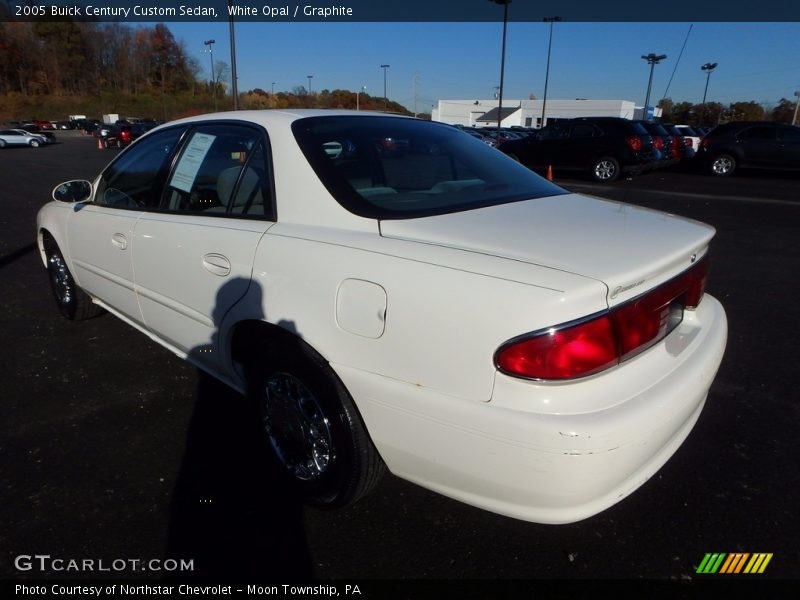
point(20, 137)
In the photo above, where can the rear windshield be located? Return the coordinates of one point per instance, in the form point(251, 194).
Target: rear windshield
point(396, 168)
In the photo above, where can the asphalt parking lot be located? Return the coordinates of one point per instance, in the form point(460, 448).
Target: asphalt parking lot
point(112, 448)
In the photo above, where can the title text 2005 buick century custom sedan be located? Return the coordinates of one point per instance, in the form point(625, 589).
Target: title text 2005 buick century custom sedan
point(393, 292)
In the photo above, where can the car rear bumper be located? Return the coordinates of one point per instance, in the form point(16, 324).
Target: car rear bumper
point(523, 454)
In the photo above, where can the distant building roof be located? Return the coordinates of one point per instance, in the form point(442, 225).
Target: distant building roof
point(491, 116)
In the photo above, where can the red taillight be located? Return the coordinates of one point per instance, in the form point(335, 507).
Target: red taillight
point(675, 147)
point(562, 353)
point(602, 341)
point(658, 143)
point(635, 142)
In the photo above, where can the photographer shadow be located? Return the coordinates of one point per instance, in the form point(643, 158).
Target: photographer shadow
point(231, 512)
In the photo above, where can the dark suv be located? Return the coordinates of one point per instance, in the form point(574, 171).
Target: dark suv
point(753, 144)
point(603, 147)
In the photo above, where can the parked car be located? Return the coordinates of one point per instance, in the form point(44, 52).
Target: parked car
point(120, 135)
point(603, 147)
point(501, 137)
point(42, 124)
point(478, 134)
point(390, 291)
point(667, 154)
point(20, 137)
point(49, 136)
point(682, 146)
point(750, 144)
point(693, 135)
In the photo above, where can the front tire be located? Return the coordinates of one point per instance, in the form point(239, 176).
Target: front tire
point(34, 143)
point(73, 303)
point(605, 169)
point(312, 425)
point(722, 165)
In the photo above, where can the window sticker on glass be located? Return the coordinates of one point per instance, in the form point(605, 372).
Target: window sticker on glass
point(190, 161)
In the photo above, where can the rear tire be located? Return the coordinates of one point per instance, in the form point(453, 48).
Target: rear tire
point(73, 303)
point(312, 425)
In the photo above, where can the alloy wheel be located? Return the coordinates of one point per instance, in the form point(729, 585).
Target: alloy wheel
point(297, 428)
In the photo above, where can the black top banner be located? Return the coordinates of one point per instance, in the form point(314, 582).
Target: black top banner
point(398, 10)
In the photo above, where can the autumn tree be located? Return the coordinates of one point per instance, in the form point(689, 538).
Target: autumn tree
point(784, 111)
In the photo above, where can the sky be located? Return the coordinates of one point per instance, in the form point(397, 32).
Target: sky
point(756, 61)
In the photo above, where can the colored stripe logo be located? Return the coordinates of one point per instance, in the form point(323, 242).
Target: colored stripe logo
point(734, 563)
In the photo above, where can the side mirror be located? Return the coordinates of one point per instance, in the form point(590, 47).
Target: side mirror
point(78, 190)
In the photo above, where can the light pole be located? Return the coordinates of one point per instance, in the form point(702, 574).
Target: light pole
point(310, 77)
point(273, 88)
point(550, 20)
point(797, 102)
point(385, 97)
point(234, 76)
point(652, 60)
point(708, 68)
point(210, 44)
point(505, 4)
point(362, 89)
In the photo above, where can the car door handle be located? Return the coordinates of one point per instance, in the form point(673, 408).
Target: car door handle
point(217, 264)
point(119, 240)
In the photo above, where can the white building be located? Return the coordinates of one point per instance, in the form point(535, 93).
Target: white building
point(528, 113)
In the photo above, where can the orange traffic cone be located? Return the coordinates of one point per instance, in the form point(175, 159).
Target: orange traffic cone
point(100, 144)
point(549, 173)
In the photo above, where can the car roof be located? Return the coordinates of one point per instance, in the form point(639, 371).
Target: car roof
point(278, 117)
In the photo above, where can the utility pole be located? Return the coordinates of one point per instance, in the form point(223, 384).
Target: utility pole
point(385, 97)
point(505, 4)
point(210, 44)
point(550, 20)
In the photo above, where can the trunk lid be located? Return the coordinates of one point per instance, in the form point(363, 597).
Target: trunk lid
point(628, 248)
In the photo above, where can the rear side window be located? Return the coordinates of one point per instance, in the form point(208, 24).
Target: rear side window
point(585, 130)
point(220, 170)
point(394, 168)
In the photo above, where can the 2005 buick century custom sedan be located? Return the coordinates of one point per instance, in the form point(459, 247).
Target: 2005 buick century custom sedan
point(394, 293)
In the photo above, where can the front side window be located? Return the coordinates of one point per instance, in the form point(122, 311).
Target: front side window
point(759, 133)
point(394, 168)
point(789, 134)
point(134, 180)
point(552, 132)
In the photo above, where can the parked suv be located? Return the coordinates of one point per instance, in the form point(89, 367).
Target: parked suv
point(603, 147)
point(751, 144)
point(120, 135)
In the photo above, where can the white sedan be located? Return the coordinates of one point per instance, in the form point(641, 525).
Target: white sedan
point(393, 293)
point(20, 137)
